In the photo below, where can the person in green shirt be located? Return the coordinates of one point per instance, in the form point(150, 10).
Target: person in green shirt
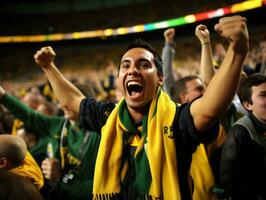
point(71, 151)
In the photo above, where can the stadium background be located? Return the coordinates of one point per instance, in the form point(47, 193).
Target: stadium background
point(34, 17)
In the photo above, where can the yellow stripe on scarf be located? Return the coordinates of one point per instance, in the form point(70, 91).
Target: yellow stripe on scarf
point(201, 174)
point(161, 152)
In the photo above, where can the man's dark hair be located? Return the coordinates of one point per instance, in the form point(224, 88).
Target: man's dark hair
point(244, 91)
point(12, 152)
point(145, 45)
point(180, 87)
point(14, 155)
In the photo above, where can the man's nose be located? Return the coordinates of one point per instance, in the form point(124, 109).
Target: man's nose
point(133, 70)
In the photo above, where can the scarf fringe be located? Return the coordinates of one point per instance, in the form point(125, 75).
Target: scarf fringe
point(110, 196)
point(149, 197)
point(116, 196)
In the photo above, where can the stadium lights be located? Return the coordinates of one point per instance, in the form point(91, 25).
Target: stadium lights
point(235, 8)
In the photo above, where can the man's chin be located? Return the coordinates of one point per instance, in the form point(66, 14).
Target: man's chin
point(139, 105)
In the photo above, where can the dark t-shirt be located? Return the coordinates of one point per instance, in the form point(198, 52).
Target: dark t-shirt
point(93, 115)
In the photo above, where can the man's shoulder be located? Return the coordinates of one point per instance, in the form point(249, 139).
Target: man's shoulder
point(93, 104)
point(239, 132)
point(182, 110)
point(244, 125)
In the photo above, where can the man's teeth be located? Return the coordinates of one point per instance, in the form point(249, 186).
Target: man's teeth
point(134, 83)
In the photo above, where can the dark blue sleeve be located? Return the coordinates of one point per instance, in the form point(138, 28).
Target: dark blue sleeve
point(186, 130)
point(187, 139)
point(93, 114)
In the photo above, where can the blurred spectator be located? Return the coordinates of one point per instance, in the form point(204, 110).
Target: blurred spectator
point(71, 150)
point(15, 158)
point(243, 166)
point(14, 187)
point(186, 90)
point(12, 151)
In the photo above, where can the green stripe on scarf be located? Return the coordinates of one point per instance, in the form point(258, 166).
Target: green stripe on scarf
point(142, 168)
point(143, 174)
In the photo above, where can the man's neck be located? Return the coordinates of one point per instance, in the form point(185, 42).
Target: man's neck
point(136, 115)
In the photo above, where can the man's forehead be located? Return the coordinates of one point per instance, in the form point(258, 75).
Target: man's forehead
point(195, 81)
point(137, 53)
point(259, 88)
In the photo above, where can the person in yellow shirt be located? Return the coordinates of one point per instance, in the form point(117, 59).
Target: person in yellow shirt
point(15, 158)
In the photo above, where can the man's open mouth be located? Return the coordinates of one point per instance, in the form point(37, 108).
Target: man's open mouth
point(134, 88)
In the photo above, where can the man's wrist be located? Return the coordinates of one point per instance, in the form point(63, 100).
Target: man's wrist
point(170, 44)
point(205, 43)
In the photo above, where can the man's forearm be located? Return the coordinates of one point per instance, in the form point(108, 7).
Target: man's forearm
point(220, 91)
point(223, 86)
point(68, 95)
point(206, 65)
point(167, 57)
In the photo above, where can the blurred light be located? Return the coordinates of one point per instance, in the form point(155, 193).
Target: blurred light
point(246, 5)
point(138, 28)
point(108, 32)
point(161, 25)
point(54, 37)
point(202, 16)
point(122, 31)
point(76, 35)
point(177, 22)
point(216, 13)
point(190, 18)
point(149, 27)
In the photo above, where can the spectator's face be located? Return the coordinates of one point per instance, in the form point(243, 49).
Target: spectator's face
point(137, 78)
point(263, 45)
point(35, 91)
point(43, 109)
point(258, 105)
point(31, 100)
point(29, 138)
point(194, 89)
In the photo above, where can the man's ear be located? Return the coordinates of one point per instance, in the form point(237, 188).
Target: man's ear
point(3, 163)
point(247, 105)
point(160, 82)
point(183, 97)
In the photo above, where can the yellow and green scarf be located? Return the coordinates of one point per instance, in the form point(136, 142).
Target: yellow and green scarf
point(155, 156)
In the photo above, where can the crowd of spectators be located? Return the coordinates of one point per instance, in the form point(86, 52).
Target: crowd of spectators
point(107, 17)
point(40, 112)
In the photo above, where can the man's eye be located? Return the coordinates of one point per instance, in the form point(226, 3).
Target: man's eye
point(144, 65)
point(263, 95)
point(124, 66)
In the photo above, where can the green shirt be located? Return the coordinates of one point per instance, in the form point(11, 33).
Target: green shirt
point(49, 129)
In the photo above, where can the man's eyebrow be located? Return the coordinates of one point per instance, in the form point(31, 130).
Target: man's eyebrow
point(143, 59)
point(125, 61)
point(262, 92)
